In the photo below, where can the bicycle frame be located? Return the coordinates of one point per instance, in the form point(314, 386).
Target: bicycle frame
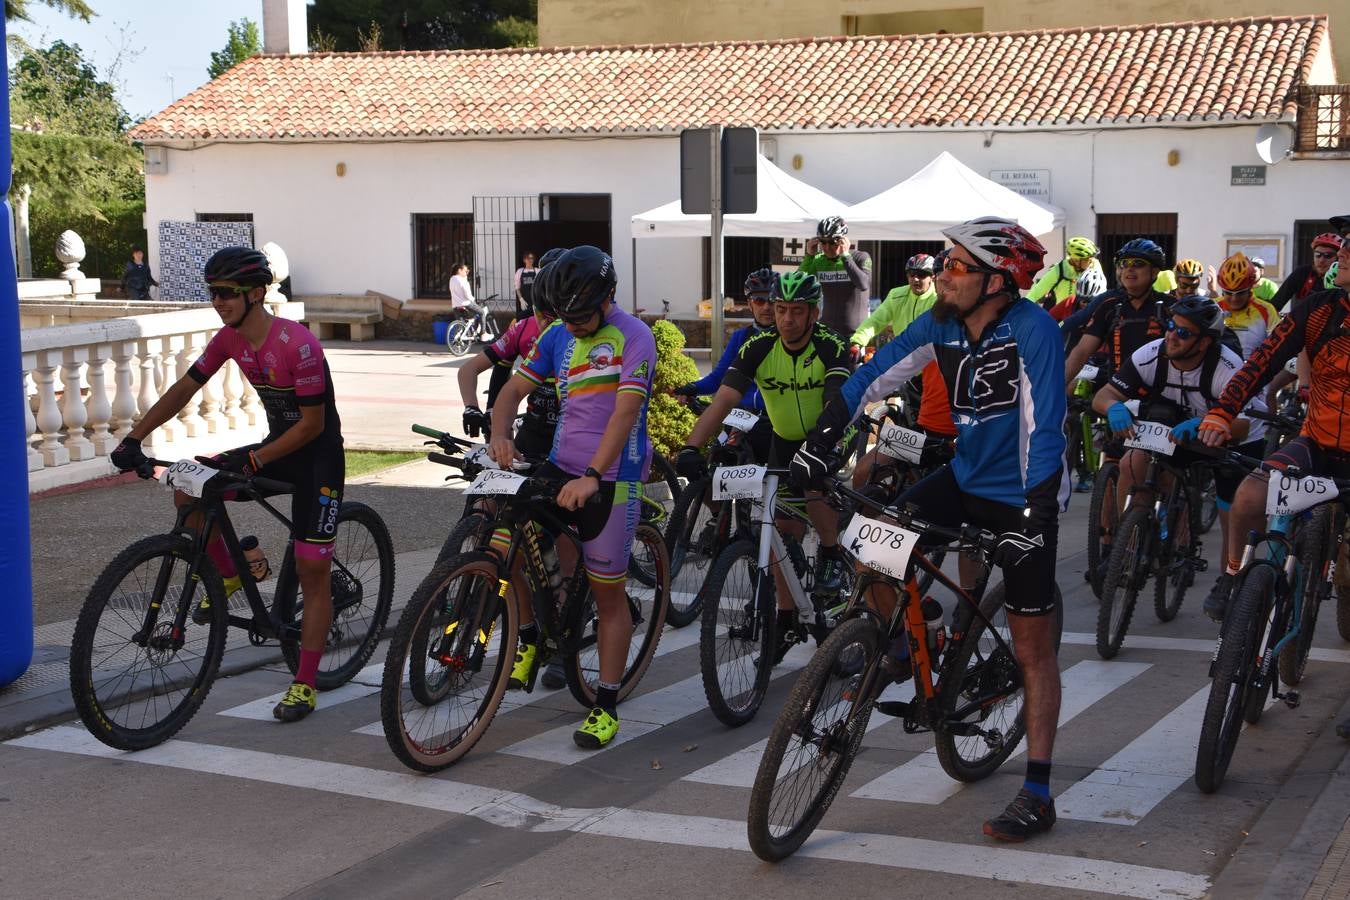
point(772, 545)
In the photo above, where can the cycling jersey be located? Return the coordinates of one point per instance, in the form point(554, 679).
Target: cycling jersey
point(1138, 378)
point(288, 371)
point(510, 349)
point(1252, 323)
point(709, 383)
point(901, 307)
point(1058, 283)
point(1300, 283)
point(1122, 327)
point(1328, 419)
point(1265, 289)
point(591, 373)
point(795, 384)
point(1007, 396)
point(845, 283)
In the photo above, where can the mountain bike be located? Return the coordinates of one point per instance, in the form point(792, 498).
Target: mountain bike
point(968, 686)
point(452, 651)
point(1287, 572)
point(151, 633)
point(467, 328)
point(1159, 540)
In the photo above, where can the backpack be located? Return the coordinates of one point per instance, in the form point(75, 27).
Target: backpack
point(1157, 408)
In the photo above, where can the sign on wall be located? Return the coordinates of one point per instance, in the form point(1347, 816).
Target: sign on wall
point(1247, 175)
point(1031, 183)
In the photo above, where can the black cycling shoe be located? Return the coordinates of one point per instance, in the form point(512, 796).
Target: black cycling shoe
point(829, 574)
point(1027, 815)
point(1216, 604)
point(554, 677)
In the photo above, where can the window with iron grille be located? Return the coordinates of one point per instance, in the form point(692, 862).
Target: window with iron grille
point(1115, 230)
point(440, 242)
point(1323, 118)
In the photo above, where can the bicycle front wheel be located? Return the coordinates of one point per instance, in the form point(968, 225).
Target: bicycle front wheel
point(648, 606)
point(980, 696)
point(1126, 572)
point(738, 639)
point(812, 744)
point(468, 534)
point(135, 679)
point(1175, 567)
point(1209, 499)
point(1229, 693)
point(362, 580)
point(449, 663)
point(693, 542)
point(1103, 517)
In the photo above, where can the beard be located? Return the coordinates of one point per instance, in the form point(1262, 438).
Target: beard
point(944, 311)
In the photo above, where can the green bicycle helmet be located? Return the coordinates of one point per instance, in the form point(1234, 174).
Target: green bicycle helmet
point(798, 287)
point(1329, 282)
point(1081, 248)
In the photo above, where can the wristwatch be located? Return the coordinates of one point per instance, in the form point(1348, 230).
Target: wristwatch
point(591, 473)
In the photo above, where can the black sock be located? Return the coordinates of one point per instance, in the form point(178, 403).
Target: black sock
point(529, 634)
point(607, 697)
point(1038, 778)
point(787, 620)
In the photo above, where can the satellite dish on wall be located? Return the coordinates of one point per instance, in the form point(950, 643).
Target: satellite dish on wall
point(1272, 143)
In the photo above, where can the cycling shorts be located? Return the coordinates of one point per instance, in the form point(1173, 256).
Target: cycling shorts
point(534, 437)
point(605, 527)
point(1030, 585)
point(318, 475)
point(1310, 457)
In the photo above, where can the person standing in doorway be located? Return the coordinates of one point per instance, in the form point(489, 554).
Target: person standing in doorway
point(137, 278)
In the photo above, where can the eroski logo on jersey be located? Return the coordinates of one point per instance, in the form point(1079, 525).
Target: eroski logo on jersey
point(992, 386)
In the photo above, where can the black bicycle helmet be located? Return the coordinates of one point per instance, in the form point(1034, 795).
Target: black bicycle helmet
point(1143, 248)
point(238, 267)
point(581, 280)
point(1203, 311)
point(540, 296)
point(798, 287)
point(761, 283)
point(920, 262)
point(831, 227)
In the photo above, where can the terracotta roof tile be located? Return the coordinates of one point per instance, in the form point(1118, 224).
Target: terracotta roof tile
point(1236, 69)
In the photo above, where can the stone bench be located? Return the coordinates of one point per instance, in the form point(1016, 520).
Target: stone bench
point(359, 312)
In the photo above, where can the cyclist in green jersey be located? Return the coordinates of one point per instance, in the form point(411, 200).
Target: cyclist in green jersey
point(902, 305)
point(845, 275)
point(798, 367)
point(1057, 284)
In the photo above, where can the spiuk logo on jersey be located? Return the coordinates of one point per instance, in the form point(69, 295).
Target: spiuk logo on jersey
point(284, 337)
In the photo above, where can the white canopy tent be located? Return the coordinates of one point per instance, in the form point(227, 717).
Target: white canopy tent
point(942, 193)
point(786, 207)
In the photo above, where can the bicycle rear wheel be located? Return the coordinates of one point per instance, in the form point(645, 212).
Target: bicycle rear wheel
point(812, 744)
point(738, 639)
point(1103, 519)
point(1239, 650)
point(693, 543)
point(647, 604)
point(1175, 569)
point(448, 664)
point(135, 690)
point(1126, 572)
point(980, 694)
point(362, 580)
point(1314, 540)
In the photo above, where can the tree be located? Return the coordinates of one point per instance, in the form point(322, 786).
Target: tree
point(76, 9)
point(348, 25)
point(57, 90)
point(242, 44)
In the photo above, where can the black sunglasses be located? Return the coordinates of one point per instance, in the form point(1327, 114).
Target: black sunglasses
point(227, 293)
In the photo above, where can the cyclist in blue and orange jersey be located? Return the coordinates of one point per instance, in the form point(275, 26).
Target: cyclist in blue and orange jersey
point(603, 360)
point(1003, 363)
point(285, 364)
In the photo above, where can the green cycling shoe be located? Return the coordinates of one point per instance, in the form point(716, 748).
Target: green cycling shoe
point(202, 613)
point(597, 731)
point(523, 672)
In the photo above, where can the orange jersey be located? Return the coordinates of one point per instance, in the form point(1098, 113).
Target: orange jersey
point(935, 411)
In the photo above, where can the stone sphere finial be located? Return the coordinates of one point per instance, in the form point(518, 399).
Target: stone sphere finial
point(281, 269)
point(70, 251)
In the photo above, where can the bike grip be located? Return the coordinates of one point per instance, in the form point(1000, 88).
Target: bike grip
point(445, 460)
point(427, 432)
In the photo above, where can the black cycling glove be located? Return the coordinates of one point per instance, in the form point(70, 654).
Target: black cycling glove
point(128, 455)
point(691, 464)
point(475, 421)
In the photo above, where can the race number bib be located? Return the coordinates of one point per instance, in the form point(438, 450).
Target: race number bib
point(900, 443)
point(741, 419)
point(188, 476)
point(1288, 496)
point(478, 455)
point(1088, 373)
point(1151, 436)
point(885, 548)
point(738, 482)
point(495, 481)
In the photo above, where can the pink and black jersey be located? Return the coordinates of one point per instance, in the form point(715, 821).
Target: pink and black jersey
point(288, 371)
point(514, 346)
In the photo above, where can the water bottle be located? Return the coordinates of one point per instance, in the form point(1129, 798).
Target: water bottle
point(257, 560)
point(548, 551)
point(932, 620)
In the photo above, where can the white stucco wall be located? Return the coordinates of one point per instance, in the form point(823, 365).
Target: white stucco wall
point(353, 233)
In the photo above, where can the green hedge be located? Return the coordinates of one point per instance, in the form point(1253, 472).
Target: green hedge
point(107, 245)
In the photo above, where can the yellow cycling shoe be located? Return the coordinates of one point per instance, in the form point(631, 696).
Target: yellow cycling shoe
point(523, 672)
point(597, 731)
point(299, 702)
point(202, 614)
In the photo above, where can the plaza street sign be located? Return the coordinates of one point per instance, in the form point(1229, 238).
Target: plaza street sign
point(1244, 176)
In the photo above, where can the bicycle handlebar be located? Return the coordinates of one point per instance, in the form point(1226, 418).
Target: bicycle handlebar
point(270, 485)
point(1282, 424)
point(972, 535)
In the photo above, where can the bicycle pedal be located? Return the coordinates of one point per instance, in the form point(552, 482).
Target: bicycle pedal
point(897, 709)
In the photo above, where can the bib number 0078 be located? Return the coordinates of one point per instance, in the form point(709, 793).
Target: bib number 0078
point(877, 545)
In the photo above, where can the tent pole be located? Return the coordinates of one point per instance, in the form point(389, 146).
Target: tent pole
point(633, 263)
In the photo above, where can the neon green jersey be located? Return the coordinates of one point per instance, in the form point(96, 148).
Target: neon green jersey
point(900, 307)
point(795, 384)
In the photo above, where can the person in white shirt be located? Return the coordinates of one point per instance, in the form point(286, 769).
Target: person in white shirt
point(461, 296)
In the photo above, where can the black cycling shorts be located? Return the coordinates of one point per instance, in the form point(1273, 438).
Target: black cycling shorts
point(1310, 457)
point(1226, 478)
point(319, 474)
point(534, 438)
point(1030, 585)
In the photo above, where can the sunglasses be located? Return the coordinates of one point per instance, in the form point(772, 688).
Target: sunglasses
point(918, 273)
point(577, 320)
point(1180, 331)
point(1245, 293)
point(1133, 264)
point(226, 291)
point(760, 300)
point(1324, 254)
point(1187, 282)
point(961, 267)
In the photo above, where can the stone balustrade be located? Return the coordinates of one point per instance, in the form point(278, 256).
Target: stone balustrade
point(88, 383)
